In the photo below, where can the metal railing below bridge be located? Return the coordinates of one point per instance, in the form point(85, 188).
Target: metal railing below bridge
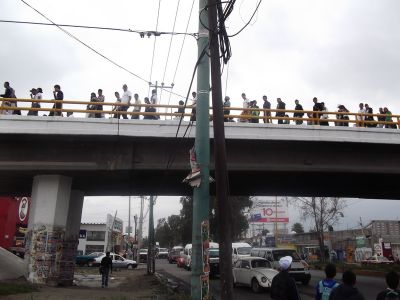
point(244, 115)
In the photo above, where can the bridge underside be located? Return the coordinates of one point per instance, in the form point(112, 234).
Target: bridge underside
point(118, 165)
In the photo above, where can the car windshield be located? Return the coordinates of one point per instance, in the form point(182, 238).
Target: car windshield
point(163, 250)
point(278, 254)
point(143, 250)
point(259, 263)
point(244, 250)
point(214, 252)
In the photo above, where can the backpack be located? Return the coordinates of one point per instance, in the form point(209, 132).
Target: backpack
point(392, 295)
point(325, 291)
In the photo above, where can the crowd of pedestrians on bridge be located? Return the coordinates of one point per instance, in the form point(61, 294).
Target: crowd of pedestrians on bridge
point(251, 111)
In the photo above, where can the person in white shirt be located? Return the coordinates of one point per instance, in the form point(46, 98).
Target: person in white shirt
point(246, 104)
point(136, 106)
point(360, 118)
point(154, 100)
point(37, 95)
point(126, 101)
point(194, 103)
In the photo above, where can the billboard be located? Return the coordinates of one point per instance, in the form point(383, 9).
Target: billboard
point(270, 210)
point(118, 223)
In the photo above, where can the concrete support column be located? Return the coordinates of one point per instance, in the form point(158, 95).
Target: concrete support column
point(53, 230)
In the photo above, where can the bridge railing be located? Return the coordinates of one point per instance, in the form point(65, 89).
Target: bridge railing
point(252, 115)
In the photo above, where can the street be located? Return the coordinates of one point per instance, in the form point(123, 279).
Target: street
point(369, 286)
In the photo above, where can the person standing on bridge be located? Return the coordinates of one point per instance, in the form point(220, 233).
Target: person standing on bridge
point(283, 287)
point(194, 103)
point(299, 112)
point(154, 100)
point(58, 95)
point(105, 269)
point(136, 107)
point(125, 103)
point(316, 108)
point(267, 112)
point(347, 289)
point(36, 96)
point(227, 111)
point(100, 98)
point(392, 292)
point(280, 105)
point(246, 104)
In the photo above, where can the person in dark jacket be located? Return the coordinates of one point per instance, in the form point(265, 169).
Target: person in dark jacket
point(347, 290)
point(281, 105)
point(283, 287)
point(58, 95)
point(392, 292)
point(105, 267)
point(299, 112)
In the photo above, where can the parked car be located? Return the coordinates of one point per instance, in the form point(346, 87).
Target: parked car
point(186, 255)
point(173, 255)
point(376, 260)
point(143, 255)
point(118, 261)
point(299, 269)
point(87, 260)
point(162, 253)
point(180, 262)
point(254, 272)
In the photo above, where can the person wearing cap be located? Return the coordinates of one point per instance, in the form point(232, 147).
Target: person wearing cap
point(283, 287)
point(35, 94)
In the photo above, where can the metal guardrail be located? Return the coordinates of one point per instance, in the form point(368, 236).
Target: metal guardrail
point(245, 115)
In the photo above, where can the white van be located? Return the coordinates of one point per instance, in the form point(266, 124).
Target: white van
point(240, 250)
point(187, 254)
point(298, 270)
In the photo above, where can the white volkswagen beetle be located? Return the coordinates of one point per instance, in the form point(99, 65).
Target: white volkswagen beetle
point(255, 272)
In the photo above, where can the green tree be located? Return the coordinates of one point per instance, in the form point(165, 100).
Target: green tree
point(298, 228)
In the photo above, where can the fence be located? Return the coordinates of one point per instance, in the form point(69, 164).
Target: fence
point(252, 115)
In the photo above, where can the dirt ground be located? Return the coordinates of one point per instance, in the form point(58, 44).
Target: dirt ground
point(123, 284)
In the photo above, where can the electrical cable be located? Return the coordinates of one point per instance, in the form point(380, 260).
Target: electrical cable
point(247, 24)
point(84, 44)
point(180, 52)
point(154, 45)
point(141, 32)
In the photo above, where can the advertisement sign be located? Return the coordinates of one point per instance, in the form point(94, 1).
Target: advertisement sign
point(360, 242)
point(118, 223)
point(204, 278)
point(270, 210)
point(378, 249)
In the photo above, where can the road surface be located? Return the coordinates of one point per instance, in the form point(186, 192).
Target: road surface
point(369, 286)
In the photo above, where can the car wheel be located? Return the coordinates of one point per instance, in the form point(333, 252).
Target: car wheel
point(130, 267)
point(90, 264)
point(255, 286)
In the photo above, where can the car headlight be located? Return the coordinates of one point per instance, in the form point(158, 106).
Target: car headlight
point(264, 279)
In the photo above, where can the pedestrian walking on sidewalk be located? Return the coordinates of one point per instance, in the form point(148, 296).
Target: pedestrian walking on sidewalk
point(283, 287)
point(325, 286)
point(105, 269)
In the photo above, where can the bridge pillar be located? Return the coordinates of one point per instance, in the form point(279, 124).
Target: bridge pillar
point(53, 230)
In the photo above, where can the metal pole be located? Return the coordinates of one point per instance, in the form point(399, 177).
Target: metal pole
point(140, 230)
point(150, 251)
point(224, 206)
point(129, 221)
point(201, 197)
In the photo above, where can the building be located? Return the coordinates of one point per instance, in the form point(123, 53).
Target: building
point(98, 237)
point(14, 215)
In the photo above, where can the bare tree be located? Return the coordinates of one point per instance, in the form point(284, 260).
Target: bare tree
point(324, 211)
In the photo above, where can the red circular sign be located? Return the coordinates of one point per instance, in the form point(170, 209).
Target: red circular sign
point(269, 211)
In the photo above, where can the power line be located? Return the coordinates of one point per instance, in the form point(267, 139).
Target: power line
point(83, 43)
point(89, 47)
point(180, 52)
point(154, 44)
point(251, 18)
point(142, 33)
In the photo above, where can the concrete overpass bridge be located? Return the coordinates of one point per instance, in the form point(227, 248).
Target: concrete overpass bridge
point(60, 160)
point(122, 157)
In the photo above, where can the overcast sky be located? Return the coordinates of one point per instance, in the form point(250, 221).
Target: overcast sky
point(343, 52)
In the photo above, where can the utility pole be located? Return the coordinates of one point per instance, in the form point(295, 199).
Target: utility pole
point(140, 230)
point(201, 194)
point(129, 220)
point(224, 206)
point(162, 86)
point(151, 250)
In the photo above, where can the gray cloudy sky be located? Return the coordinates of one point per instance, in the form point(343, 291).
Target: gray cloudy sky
point(343, 52)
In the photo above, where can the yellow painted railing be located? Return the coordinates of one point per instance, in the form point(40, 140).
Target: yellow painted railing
point(239, 113)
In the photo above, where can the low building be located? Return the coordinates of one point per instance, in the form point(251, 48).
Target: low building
point(101, 237)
